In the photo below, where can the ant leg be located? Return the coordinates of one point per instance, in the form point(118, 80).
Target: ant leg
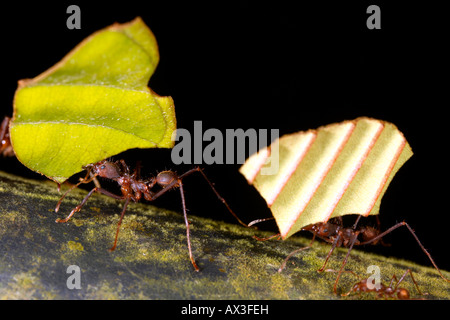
point(177, 182)
point(333, 246)
point(403, 223)
point(95, 180)
point(198, 169)
point(336, 243)
point(394, 277)
point(120, 222)
point(78, 208)
point(402, 278)
point(353, 287)
point(259, 220)
point(353, 240)
point(174, 183)
point(4, 127)
point(84, 180)
point(357, 220)
point(186, 221)
point(283, 265)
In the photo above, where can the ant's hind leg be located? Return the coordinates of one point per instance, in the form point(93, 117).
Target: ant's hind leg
point(198, 169)
point(186, 221)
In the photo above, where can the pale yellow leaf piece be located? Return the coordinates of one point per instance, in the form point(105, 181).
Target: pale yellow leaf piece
point(338, 169)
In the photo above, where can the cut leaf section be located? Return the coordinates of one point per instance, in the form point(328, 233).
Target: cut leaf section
point(93, 104)
point(336, 170)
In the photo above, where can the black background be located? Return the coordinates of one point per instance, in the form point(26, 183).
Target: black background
point(269, 65)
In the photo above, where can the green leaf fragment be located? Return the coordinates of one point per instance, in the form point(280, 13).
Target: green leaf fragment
point(336, 170)
point(93, 104)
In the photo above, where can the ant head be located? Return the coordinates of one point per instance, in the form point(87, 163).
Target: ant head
point(106, 169)
point(313, 227)
point(323, 228)
point(165, 178)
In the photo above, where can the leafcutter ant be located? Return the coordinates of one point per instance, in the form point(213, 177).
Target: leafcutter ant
point(381, 290)
point(335, 233)
point(134, 188)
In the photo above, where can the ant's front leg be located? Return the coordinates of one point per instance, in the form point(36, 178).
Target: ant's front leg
point(336, 243)
point(78, 208)
point(82, 180)
point(352, 241)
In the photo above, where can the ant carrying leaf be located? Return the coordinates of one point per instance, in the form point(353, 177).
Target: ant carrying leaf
point(334, 232)
point(335, 170)
point(134, 188)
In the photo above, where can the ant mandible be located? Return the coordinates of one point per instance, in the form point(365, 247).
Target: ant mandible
point(338, 236)
point(383, 291)
point(134, 188)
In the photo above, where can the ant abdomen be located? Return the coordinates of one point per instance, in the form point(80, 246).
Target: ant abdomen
point(165, 178)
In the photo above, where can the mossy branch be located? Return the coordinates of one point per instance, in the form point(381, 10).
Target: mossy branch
point(151, 260)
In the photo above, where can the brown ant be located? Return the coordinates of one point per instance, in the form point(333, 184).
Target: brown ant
point(134, 188)
point(338, 236)
point(382, 291)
